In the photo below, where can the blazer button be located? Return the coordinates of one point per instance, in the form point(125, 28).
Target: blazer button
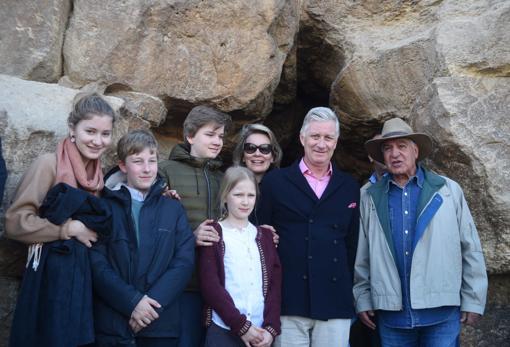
point(335, 242)
point(311, 221)
point(306, 238)
point(335, 226)
point(305, 277)
point(335, 260)
point(333, 279)
point(310, 257)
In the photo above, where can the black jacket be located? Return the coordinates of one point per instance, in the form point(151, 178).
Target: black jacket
point(124, 272)
point(318, 240)
point(54, 307)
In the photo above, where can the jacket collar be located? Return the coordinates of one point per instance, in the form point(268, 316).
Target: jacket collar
point(295, 175)
point(115, 186)
point(431, 183)
point(181, 152)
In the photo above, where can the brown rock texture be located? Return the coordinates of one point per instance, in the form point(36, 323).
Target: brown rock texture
point(468, 120)
point(229, 53)
point(31, 38)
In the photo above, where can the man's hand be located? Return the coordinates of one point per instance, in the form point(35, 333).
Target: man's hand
point(469, 318)
point(366, 318)
point(276, 237)
point(267, 338)
point(144, 312)
point(252, 337)
point(206, 235)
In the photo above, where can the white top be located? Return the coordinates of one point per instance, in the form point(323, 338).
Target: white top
point(243, 273)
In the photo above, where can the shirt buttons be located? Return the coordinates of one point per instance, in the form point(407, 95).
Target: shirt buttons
point(406, 212)
point(406, 232)
point(407, 253)
point(405, 193)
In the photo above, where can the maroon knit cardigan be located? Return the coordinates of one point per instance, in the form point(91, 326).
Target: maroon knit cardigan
point(212, 284)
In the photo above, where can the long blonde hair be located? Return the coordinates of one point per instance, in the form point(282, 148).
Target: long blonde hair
point(232, 177)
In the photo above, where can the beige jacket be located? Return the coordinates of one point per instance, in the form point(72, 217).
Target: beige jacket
point(22, 221)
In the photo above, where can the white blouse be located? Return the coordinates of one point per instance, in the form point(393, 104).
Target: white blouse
point(243, 273)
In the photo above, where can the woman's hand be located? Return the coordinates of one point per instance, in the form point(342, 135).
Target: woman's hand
point(78, 230)
point(276, 237)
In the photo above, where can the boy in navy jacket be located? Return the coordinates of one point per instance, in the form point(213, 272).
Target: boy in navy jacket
point(140, 271)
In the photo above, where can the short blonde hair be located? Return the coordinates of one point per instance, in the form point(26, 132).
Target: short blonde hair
point(135, 142)
point(246, 131)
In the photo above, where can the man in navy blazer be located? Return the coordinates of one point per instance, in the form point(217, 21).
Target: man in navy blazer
point(314, 208)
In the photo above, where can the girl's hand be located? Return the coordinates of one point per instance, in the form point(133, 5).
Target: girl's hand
point(267, 339)
point(78, 230)
point(252, 337)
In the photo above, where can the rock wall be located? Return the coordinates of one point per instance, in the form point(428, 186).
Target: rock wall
point(444, 66)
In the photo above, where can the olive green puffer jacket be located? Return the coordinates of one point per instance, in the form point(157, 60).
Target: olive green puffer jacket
point(197, 181)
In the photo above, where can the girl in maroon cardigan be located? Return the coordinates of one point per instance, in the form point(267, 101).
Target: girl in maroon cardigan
point(240, 276)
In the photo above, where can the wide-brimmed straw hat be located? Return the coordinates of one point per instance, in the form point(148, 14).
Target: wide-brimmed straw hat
point(396, 128)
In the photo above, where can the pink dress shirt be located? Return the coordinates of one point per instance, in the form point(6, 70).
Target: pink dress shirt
point(318, 185)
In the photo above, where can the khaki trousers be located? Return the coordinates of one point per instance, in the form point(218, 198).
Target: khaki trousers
point(306, 332)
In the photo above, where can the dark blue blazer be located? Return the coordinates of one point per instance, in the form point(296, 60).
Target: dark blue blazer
point(159, 266)
point(318, 240)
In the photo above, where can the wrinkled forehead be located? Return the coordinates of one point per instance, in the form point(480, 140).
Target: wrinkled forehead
point(322, 127)
point(397, 141)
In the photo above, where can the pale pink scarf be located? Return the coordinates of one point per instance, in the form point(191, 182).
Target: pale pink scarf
point(71, 169)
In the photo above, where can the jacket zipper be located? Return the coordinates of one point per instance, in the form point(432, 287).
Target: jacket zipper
point(208, 184)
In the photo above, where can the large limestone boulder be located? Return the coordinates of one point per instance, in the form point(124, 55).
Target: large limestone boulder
point(473, 37)
point(31, 38)
point(228, 53)
point(469, 121)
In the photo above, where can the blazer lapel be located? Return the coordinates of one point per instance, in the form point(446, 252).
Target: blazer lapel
point(298, 179)
point(335, 181)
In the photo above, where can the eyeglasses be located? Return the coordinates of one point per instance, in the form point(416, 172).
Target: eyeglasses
point(250, 148)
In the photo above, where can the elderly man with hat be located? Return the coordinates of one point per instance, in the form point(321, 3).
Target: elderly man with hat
point(419, 270)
